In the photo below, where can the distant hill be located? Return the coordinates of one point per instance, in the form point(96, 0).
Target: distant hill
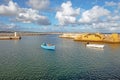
point(6, 31)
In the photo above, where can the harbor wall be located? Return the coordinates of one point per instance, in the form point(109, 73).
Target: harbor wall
point(93, 37)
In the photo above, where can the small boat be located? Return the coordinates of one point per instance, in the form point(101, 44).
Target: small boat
point(95, 45)
point(48, 46)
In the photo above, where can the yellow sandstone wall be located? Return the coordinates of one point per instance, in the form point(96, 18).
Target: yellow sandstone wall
point(92, 37)
point(112, 38)
point(115, 37)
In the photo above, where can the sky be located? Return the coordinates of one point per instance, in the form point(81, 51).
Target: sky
point(60, 15)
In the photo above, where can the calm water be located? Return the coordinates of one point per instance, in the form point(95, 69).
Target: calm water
point(26, 60)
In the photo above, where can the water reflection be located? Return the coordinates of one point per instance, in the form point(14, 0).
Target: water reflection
point(114, 46)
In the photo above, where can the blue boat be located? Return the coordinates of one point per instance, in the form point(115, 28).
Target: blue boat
point(48, 46)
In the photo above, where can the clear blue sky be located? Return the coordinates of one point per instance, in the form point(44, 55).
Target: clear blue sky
point(60, 15)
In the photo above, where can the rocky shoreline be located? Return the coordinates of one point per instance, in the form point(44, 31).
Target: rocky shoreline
point(93, 37)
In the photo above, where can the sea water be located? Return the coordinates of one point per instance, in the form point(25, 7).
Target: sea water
point(25, 60)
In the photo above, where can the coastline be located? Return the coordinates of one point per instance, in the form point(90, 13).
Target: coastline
point(5, 33)
point(17, 35)
point(28, 33)
point(93, 37)
point(83, 37)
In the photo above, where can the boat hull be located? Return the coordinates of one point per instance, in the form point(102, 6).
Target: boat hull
point(48, 47)
point(95, 45)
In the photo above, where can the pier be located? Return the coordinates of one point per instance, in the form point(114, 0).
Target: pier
point(11, 37)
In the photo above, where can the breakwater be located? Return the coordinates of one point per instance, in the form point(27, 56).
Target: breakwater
point(93, 37)
point(9, 36)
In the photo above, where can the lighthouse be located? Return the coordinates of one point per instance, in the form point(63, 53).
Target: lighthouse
point(15, 34)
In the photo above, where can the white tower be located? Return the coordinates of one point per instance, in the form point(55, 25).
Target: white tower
point(15, 34)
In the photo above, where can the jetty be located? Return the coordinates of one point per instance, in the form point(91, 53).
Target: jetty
point(11, 37)
point(93, 37)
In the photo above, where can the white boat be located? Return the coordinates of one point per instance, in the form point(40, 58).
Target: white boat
point(95, 45)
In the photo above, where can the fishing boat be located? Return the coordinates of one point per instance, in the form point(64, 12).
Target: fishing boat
point(95, 45)
point(48, 46)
